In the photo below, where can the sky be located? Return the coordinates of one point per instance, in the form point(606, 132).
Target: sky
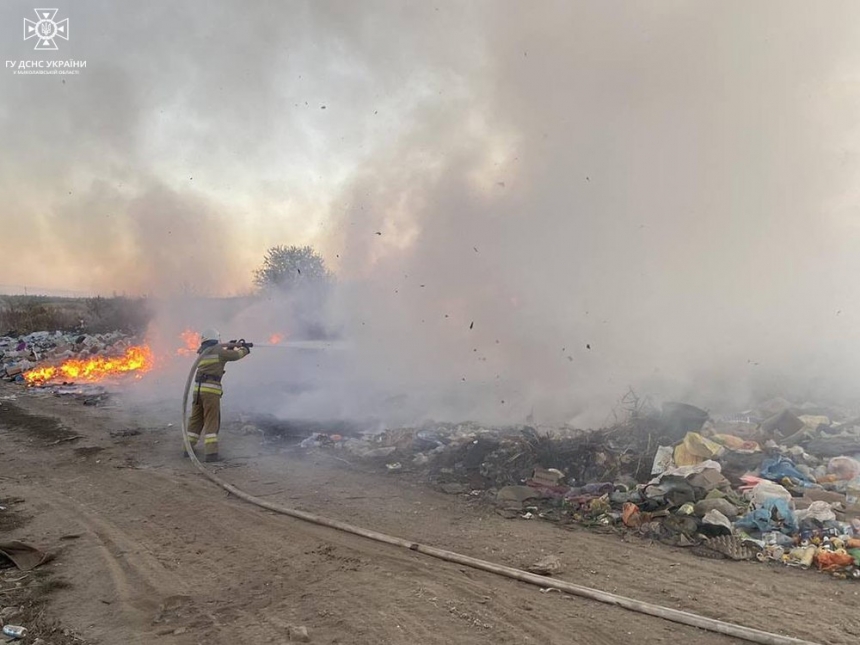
point(527, 205)
point(199, 136)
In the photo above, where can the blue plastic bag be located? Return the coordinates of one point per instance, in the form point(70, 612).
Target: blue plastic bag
point(774, 515)
point(777, 468)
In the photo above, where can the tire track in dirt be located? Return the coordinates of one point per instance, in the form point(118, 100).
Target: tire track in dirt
point(284, 567)
point(133, 568)
point(131, 580)
point(228, 572)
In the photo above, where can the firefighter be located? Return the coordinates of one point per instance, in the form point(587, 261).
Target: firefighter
point(206, 406)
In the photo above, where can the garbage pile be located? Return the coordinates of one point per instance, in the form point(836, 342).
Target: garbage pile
point(778, 485)
point(18, 354)
point(491, 457)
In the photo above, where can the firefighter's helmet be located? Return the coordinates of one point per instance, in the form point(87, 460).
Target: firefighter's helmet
point(210, 334)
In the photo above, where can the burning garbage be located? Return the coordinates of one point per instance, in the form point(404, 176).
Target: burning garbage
point(45, 357)
point(136, 359)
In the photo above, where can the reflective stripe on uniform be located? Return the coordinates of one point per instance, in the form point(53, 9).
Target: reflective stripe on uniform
point(210, 388)
point(208, 361)
point(193, 437)
point(210, 438)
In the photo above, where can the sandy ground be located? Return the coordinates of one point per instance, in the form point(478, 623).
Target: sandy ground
point(162, 552)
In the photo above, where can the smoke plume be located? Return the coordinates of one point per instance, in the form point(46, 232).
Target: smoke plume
point(529, 208)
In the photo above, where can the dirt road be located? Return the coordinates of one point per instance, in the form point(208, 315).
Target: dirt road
point(164, 553)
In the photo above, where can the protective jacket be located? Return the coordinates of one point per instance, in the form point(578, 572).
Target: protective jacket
point(210, 369)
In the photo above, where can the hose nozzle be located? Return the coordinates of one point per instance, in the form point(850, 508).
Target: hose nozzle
point(238, 343)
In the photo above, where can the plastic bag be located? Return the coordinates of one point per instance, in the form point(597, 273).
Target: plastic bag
point(767, 490)
point(818, 511)
point(777, 468)
point(630, 515)
point(774, 515)
point(663, 460)
point(732, 442)
point(833, 560)
point(715, 518)
point(844, 467)
point(695, 449)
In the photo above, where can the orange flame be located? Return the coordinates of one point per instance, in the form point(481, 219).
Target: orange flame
point(276, 338)
point(138, 359)
point(192, 341)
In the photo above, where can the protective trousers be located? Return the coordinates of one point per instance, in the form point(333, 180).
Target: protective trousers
point(205, 419)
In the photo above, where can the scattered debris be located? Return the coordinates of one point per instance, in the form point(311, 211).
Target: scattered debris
point(725, 546)
point(777, 484)
point(298, 634)
point(88, 394)
point(548, 566)
point(14, 631)
point(547, 477)
point(22, 555)
point(66, 439)
point(19, 354)
point(132, 432)
point(27, 579)
point(515, 496)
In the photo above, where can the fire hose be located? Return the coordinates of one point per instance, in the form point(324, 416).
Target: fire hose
point(674, 615)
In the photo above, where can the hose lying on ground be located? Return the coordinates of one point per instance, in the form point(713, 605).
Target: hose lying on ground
point(674, 615)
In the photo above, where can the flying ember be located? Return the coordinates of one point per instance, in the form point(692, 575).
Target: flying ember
point(137, 359)
point(276, 338)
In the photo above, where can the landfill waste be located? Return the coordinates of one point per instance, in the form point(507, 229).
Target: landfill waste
point(725, 546)
point(819, 511)
point(21, 353)
point(765, 490)
point(663, 459)
point(780, 468)
point(716, 503)
point(784, 422)
point(514, 497)
point(714, 518)
point(630, 515)
point(773, 515)
point(695, 449)
point(843, 468)
point(779, 484)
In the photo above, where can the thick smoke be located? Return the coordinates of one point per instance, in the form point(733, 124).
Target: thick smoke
point(529, 209)
point(617, 202)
